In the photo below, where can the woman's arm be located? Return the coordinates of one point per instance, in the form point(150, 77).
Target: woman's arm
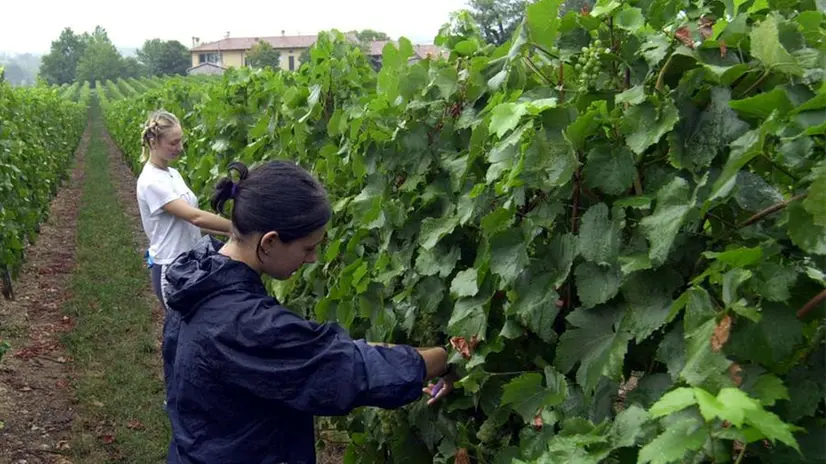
point(198, 217)
point(435, 358)
point(214, 232)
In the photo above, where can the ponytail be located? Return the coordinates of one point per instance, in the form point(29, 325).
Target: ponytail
point(276, 196)
point(226, 189)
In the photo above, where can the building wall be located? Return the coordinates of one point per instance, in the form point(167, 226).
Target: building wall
point(229, 58)
point(286, 53)
point(236, 58)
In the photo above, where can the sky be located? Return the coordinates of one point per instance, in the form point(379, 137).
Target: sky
point(31, 26)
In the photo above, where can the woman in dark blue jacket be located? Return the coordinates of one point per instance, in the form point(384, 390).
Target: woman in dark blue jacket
point(244, 375)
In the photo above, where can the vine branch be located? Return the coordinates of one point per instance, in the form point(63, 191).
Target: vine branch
point(742, 453)
point(535, 69)
point(757, 82)
point(780, 168)
point(771, 209)
point(661, 77)
point(812, 304)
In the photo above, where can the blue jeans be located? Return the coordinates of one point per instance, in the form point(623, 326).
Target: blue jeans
point(156, 271)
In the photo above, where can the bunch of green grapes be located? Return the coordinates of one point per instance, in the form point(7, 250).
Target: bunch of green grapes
point(590, 69)
point(391, 421)
point(425, 330)
point(588, 65)
point(488, 432)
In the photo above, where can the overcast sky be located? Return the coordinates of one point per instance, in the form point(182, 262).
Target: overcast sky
point(30, 26)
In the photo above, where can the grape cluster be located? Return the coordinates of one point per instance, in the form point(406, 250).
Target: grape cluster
point(487, 432)
point(392, 421)
point(588, 65)
point(425, 329)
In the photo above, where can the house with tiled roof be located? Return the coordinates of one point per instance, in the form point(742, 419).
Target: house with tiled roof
point(232, 51)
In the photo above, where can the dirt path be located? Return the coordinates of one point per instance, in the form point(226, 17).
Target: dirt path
point(36, 408)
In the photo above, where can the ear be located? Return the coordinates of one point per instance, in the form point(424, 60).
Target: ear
point(269, 240)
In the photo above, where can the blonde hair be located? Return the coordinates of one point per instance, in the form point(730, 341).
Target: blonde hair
point(154, 128)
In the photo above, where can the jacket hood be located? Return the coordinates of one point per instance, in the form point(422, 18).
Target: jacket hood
point(201, 273)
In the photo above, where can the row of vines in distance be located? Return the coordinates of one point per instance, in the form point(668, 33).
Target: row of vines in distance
point(617, 219)
point(39, 130)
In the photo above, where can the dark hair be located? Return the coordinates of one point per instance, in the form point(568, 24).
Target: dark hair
point(276, 196)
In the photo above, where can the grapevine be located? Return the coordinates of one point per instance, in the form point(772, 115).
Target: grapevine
point(630, 272)
point(39, 130)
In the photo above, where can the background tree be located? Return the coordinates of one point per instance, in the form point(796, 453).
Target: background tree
point(59, 66)
point(133, 68)
point(369, 35)
point(497, 19)
point(304, 57)
point(164, 57)
point(262, 54)
point(15, 75)
point(101, 59)
point(25, 67)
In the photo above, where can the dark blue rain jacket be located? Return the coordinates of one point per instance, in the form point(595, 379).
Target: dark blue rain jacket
point(245, 376)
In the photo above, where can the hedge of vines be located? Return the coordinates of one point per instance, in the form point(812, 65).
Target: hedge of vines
point(617, 221)
point(39, 131)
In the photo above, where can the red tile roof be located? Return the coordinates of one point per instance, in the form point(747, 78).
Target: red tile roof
point(245, 43)
point(421, 51)
point(306, 41)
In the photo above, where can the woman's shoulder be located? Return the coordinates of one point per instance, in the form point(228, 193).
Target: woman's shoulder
point(151, 175)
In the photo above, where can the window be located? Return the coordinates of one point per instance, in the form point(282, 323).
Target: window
point(209, 58)
point(292, 63)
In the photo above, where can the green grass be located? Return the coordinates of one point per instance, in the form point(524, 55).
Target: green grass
point(116, 363)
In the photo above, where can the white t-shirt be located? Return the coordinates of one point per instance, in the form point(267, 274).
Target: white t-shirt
point(168, 235)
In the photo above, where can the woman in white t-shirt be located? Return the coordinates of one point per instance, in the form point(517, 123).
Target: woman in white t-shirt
point(169, 209)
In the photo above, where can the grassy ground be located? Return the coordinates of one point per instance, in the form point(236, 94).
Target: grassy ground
point(116, 358)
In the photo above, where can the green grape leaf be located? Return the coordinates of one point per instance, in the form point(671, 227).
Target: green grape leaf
point(630, 19)
point(766, 47)
point(509, 254)
point(627, 427)
point(599, 237)
point(596, 344)
point(762, 105)
point(754, 194)
point(674, 201)
point(698, 140)
point(815, 202)
point(648, 295)
point(464, 284)
point(535, 306)
point(702, 362)
point(645, 124)
point(436, 261)
point(610, 170)
point(506, 117)
point(687, 434)
point(526, 394)
point(560, 257)
point(434, 229)
point(774, 281)
point(673, 401)
point(771, 341)
point(803, 230)
point(768, 389)
point(596, 284)
point(543, 21)
point(470, 316)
